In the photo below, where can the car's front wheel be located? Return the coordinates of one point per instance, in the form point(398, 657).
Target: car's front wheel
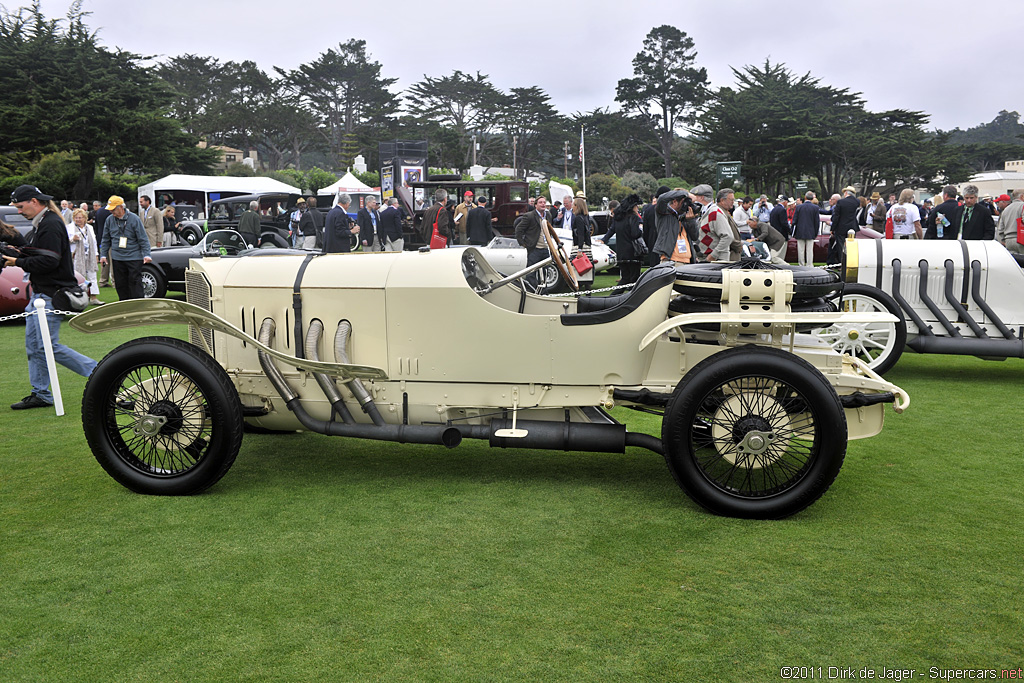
point(162, 417)
point(754, 432)
point(154, 284)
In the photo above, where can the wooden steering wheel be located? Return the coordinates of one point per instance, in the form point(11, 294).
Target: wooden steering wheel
point(559, 257)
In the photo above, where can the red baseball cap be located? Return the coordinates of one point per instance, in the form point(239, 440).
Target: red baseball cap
point(1003, 198)
point(467, 194)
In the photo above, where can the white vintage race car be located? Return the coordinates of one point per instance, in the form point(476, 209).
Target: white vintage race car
point(956, 297)
point(437, 347)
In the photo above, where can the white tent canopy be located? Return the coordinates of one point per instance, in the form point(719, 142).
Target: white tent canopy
point(347, 183)
point(208, 184)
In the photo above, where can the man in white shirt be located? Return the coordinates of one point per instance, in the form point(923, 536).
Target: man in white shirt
point(744, 221)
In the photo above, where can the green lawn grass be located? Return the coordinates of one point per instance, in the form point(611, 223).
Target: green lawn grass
point(329, 559)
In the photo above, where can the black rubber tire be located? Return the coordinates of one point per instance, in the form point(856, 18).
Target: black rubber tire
point(689, 304)
point(175, 380)
point(191, 234)
point(715, 397)
point(880, 301)
point(154, 283)
point(810, 282)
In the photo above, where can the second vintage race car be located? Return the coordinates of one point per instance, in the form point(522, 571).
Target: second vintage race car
point(435, 347)
point(945, 296)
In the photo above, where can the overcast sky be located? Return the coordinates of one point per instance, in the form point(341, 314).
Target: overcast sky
point(955, 61)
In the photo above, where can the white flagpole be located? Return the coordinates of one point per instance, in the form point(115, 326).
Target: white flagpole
point(583, 160)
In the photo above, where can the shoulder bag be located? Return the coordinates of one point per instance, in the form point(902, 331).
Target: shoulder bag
point(437, 240)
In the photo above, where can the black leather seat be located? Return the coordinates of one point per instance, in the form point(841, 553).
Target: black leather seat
point(597, 310)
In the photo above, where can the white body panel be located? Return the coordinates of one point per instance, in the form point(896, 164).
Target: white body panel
point(1001, 282)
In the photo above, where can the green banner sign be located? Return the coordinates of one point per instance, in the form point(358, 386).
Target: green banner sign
point(728, 171)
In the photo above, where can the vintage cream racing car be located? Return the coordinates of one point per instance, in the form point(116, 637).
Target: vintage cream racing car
point(946, 296)
point(435, 347)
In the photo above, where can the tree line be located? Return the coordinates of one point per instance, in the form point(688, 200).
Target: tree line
point(102, 108)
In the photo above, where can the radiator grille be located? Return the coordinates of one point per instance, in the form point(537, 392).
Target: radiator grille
point(197, 292)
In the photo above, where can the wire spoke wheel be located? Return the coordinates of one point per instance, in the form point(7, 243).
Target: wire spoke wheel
point(162, 417)
point(157, 420)
point(879, 345)
point(149, 284)
point(761, 438)
point(754, 432)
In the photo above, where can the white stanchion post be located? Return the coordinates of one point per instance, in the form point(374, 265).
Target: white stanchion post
point(51, 364)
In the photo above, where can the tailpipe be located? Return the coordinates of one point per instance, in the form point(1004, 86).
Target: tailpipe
point(984, 348)
point(572, 436)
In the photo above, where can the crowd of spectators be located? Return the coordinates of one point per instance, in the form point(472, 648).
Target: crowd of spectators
point(717, 225)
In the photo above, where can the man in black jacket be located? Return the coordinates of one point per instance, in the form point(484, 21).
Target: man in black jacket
point(390, 227)
point(478, 223)
point(844, 219)
point(339, 229)
point(368, 220)
point(973, 219)
point(649, 217)
point(49, 268)
point(106, 277)
point(779, 217)
point(947, 209)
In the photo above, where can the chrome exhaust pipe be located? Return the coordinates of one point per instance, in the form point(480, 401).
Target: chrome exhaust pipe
point(442, 435)
point(313, 334)
point(355, 386)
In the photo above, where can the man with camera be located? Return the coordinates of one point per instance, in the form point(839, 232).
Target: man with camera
point(47, 260)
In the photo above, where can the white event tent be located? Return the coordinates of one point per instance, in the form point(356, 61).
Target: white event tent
point(347, 183)
point(211, 188)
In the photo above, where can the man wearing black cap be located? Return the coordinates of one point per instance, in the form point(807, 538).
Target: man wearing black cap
point(478, 223)
point(49, 268)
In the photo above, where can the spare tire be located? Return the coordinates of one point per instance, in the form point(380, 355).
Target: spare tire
point(691, 304)
point(811, 282)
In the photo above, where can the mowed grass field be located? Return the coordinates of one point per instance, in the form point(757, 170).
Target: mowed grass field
point(320, 558)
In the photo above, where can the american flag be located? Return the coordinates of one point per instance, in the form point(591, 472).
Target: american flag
point(581, 143)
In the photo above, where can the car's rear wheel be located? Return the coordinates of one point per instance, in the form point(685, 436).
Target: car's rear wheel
point(879, 345)
point(154, 284)
point(162, 417)
point(754, 432)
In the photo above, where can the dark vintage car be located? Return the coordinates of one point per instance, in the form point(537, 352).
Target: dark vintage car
point(275, 208)
point(275, 213)
point(167, 270)
point(10, 216)
point(821, 245)
point(506, 199)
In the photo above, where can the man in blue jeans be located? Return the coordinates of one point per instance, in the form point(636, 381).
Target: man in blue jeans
point(49, 268)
